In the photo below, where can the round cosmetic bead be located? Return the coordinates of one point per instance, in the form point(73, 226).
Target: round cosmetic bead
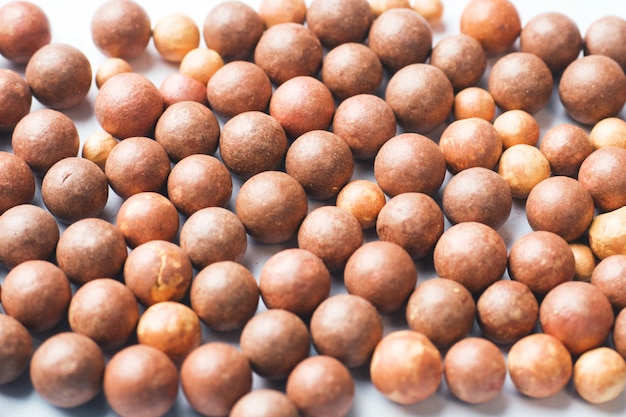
point(224, 295)
point(522, 167)
point(619, 333)
point(274, 12)
point(380, 6)
point(200, 64)
point(610, 276)
point(15, 349)
point(175, 35)
point(565, 146)
point(178, 87)
point(339, 21)
point(350, 69)
point(105, 310)
point(15, 99)
point(494, 23)
point(600, 375)
point(147, 216)
point(363, 199)
point(109, 68)
point(602, 175)
point(432, 10)
point(517, 127)
point(469, 143)
point(608, 132)
point(474, 102)
point(585, 261)
point(607, 233)
point(97, 148)
point(264, 402)
point(25, 29)
point(17, 181)
point(602, 38)
point(121, 29)
point(461, 58)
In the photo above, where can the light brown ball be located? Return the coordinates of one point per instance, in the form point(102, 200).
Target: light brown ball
point(469, 143)
point(175, 35)
point(111, 67)
point(274, 12)
point(200, 64)
point(600, 375)
point(522, 167)
point(517, 127)
point(363, 199)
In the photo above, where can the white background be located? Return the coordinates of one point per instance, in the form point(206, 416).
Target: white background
point(70, 23)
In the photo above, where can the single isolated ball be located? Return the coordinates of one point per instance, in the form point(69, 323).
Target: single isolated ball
point(24, 29)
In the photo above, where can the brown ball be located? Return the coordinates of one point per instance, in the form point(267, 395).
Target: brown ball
point(406, 367)
point(409, 162)
point(413, 221)
point(199, 181)
point(264, 402)
point(339, 21)
point(479, 195)
point(321, 162)
point(539, 365)
point(145, 217)
point(363, 199)
point(271, 205)
point(233, 29)
point(365, 122)
point(137, 164)
point(25, 29)
point(27, 232)
point(600, 375)
point(350, 69)
point(15, 99)
point(332, 234)
point(442, 310)
point(213, 234)
point(601, 174)
point(171, 327)
point(109, 68)
point(74, 188)
point(175, 35)
point(585, 261)
point(105, 310)
point(421, 96)
point(560, 205)
point(321, 386)
point(59, 76)
point(517, 127)
point(461, 58)
point(274, 12)
point(507, 311)
point(346, 327)
point(17, 182)
point(602, 38)
point(578, 314)
point(67, 369)
point(158, 271)
point(565, 146)
point(44, 137)
point(121, 29)
point(469, 143)
point(237, 87)
point(475, 370)
point(554, 38)
point(610, 275)
point(140, 380)
point(474, 102)
point(494, 23)
point(15, 350)
point(295, 280)
point(520, 81)
point(97, 148)
point(523, 166)
point(472, 254)
point(121, 98)
point(41, 281)
point(179, 87)
point(187, 128)
point(400, 37)
point(252, 142)
point(89, 249)
point(224, 295)
point(593, 88)
point(288, 50)
point(302, 104)
point(619, 333)
point(381, 272)
point(274, 342)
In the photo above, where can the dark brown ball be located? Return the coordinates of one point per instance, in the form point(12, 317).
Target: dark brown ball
point(121, 99)
point(264, 402)
point(603, 38)
point(252, 142)
point(409, 162)
point(421, 96)
point(461, 58)
point(295, 280)
point(288, 50)
point(472, 254)
point(593, 88)
point(15, 350)
point(520, 81)
point(91, 248)
point(554, 38)
point(233, 29)
point(237, 87)
point(321, 162)
point(136, 165)
point(121, 29)
point(224, 295)
point(350, 69)
point(480, 195)
point(178, 87)
point(601, 173)
point(17, 182)
point(271, 205)
point(469, 143)
point(274, 342)
point(187, 128)
point(24, 29)
point(199, 181)
point(339, 21)
point(15, 99)
point(610, 276)
point(413, 221)
point(74, 188)
point(565, 146)
point(147, 216)
point(213, 234)
point(27, 232)
point(494, 23)
point(400, 37)
point(59, 76)
point(44, 137)
point(365, 122)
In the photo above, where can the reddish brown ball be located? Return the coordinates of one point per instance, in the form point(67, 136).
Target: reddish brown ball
point(25, 29)
point(17, 182)
point(147, 216)
point(350, 69)
point(601, 173)
point(363, 199)
point(494, 23)
point(461, 58)
point(264, 402)
point(15, 99)
point(610, 276)
point(15, 350)
point(469, 143)
point(232, 28)
point(179, 87)
point(339, 21)
point(603, 38)
point(121, 29)
point(565, 146)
